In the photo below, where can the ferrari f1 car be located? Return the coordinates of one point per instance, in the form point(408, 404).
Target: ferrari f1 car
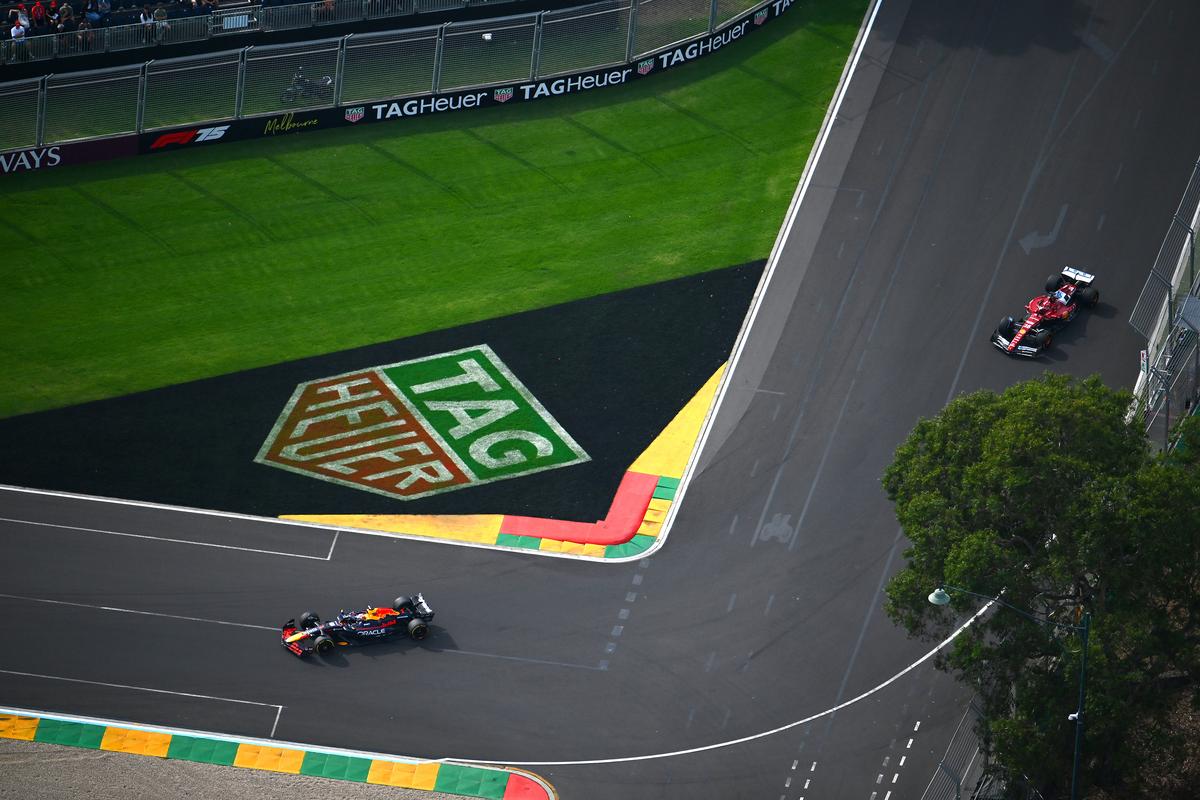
point(1031, 334)
point(408, 615)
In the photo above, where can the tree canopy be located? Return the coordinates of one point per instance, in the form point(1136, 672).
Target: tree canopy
point(1046, 497)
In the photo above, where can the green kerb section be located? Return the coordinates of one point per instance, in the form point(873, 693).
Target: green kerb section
point(72, 734)
point(665, 488)
point(637, 544)
point(206, 751)
point(342, 768)
point(512, 540)
point(471, 781)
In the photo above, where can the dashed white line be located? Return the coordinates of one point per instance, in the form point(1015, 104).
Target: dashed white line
point(732, 600)
point(917, 726)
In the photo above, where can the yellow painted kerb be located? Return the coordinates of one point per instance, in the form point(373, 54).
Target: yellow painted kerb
point(668, 454)
point(24, 728)
point(479, 528)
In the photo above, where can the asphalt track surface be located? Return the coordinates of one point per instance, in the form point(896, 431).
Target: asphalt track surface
point(966, 127)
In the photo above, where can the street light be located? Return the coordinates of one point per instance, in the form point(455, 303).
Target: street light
point(940, 597)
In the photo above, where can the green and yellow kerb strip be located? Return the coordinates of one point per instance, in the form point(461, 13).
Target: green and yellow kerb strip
point(470, 781)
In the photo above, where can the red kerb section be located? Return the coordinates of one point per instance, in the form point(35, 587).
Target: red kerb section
point(626, 513)
point(521, 788)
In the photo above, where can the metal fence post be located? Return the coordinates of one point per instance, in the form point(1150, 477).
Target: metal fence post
point(631, 36)
point(712, 16)
point(141, 101)
point(341, 69)
point(535, 61)
point(437, 57)
point(241, 83)
point(40, 134)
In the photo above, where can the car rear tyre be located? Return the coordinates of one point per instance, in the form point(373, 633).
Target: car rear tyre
point(309, 620)
point(417, 629)
point(1089, 296)
point(323, 645)
point(402, 602)
point(1054, 283)
point(1041, 339)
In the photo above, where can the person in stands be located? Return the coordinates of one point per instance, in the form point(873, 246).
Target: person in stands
point(37, 17)
point(147, 20)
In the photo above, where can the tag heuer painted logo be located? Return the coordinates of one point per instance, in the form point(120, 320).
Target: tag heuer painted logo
point(644, 67)
point(503, 95)
point(356, 113)
point(761, 17)
point(419, 427)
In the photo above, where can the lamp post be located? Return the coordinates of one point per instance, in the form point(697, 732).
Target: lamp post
point(940, 597)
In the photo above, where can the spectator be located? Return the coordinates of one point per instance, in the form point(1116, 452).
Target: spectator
point(65, 11)
point(105, 10)
point(23, 15)
point(91, 11)
point(20, 50)
point(85, 38)
point(210, 6)
point(161, 26)
point(147, 20)
point(37, 17)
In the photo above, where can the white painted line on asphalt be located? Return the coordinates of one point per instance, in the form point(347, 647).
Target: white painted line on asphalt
point(142, 689)
point(760, 292)
point(134, 611)
point(754, 736)
point(164, 539)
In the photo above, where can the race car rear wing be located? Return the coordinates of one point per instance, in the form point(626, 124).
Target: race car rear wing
point(1078, 276)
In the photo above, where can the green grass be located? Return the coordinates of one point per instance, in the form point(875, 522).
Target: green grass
point(140, 273)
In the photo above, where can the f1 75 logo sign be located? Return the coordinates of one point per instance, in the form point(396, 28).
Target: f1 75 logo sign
point(187, 137)
point(420, 427)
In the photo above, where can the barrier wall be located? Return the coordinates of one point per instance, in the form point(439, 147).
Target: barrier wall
point(249, 94)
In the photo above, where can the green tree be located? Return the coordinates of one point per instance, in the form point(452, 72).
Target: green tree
point(1045, 494)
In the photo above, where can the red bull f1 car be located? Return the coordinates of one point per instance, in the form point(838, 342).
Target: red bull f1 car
point(408, 615)
point(1030, 335)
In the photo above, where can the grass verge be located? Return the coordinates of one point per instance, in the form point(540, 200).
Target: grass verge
point(140, 273)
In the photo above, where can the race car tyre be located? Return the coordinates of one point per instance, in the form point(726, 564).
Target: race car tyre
point(1005, 328)
point(1054, 283)
point(309, 620)
point(402, 602)
point(417, 629)
point(323, 645)
point(1089, 296)
point(1041, 339)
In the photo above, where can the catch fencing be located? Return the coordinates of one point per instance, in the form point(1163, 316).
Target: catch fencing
point(244, 19)
point(1168, 314)
point(263, 80)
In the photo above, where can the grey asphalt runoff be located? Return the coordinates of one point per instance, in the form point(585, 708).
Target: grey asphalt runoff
point(967, 127)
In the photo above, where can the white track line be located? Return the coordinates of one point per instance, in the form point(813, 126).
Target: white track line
point(754, 736)
point(142, 689)
point(134, 611)
point(171, 541)
point(760, 293)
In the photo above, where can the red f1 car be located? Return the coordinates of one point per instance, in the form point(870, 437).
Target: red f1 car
point(1046, 313)
point(409, 615)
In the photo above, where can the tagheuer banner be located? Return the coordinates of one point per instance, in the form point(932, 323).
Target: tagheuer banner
point(38, 158)
point(424, 105)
